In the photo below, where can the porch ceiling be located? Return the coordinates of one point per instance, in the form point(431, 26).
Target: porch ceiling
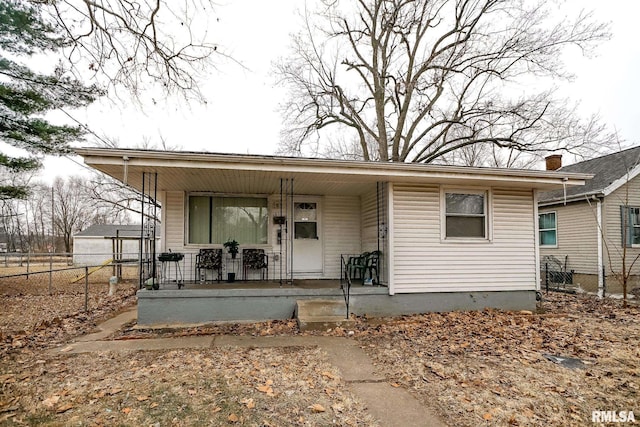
point(225, 173)
point(241, 181)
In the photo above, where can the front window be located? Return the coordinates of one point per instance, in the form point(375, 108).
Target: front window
point(215, 220)
point(465, 215)
point(547, 229)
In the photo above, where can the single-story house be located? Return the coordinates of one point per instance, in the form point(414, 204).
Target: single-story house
point(448, 237)
point(589, 228)
point(103, 243)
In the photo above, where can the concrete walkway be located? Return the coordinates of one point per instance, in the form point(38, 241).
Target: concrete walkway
point(391, 406)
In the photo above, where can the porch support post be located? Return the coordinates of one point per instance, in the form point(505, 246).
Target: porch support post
point(390, 239)
point(293, 233)
point(281, 238)
point(141, 261)
point(153, 223)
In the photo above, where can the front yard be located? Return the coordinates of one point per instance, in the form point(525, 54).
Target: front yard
point(472, 368)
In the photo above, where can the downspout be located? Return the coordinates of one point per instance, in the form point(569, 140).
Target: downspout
point(390, 239)
point(536, 239)
point(600, 230)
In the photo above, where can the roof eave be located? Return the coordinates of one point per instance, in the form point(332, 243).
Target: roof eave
point(573, 198)
point(391, 171)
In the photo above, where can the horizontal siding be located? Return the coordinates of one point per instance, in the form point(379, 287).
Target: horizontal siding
point(341, 221)
point(369, 222)
point(174, 221)
point(577, 237)
point(626, 195)
point(424, 263)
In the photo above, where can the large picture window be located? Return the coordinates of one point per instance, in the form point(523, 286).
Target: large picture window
point(465, 215)
point(630, 220)
point(215, 219)
point(547, 226)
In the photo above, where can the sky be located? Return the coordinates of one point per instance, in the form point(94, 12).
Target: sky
point(241, 114)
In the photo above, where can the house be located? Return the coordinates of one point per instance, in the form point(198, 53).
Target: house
point(102, 243)
point(449, 237)
point(589, 228)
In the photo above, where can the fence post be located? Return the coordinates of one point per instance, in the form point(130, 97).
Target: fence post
point(604, 282)
point(546, 276)
point(50, 272)
point(86, 288)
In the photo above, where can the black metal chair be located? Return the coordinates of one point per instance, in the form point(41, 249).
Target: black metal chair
point(357, 266)
point(255, 259)
point(208, 259)
point(363, 265)
point(373, 261)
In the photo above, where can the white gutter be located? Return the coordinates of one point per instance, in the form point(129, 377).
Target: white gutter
point(574, 198)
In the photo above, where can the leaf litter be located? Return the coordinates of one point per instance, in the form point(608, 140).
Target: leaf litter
point(473, 368)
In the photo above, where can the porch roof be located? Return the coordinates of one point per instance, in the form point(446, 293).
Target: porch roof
point(259, 174)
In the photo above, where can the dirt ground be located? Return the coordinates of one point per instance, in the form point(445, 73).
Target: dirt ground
point(473, 368)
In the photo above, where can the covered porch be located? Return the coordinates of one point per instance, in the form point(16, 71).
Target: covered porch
point(303, 219)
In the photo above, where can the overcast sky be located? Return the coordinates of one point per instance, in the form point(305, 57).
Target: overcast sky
point(241, 116)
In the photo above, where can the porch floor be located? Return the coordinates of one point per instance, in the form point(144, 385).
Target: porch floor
point(266, 284)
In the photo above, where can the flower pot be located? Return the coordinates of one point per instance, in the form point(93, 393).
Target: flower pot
point(231, 277)
point(233, 255)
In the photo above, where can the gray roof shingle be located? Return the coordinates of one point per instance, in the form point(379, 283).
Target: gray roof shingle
point(606, 170)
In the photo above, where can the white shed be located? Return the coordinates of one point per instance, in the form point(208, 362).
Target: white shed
point(101, 243)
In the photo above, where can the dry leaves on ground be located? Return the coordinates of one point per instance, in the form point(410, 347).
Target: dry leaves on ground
point(266, 387)
point(33, 322)
point(488, 367)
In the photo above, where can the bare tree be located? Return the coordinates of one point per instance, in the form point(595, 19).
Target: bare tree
point(135, 43)
point(117, 199)
point(425, 78)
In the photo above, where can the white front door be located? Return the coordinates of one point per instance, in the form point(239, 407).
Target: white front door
point(307, 237)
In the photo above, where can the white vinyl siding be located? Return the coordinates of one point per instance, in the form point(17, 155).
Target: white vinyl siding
point(576, 237)
point(423, 263)
point(341, 216)
point(174, 221)
point(369, 222)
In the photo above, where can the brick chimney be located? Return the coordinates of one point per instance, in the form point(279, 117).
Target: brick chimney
point(554, 162)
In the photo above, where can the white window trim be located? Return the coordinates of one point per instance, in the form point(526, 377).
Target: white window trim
point(488, 214)
point(555, 213)
point(188, 244)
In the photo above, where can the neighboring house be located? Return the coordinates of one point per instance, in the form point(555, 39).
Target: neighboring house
point(590, 227)
point(450, 237)
point(102, 243)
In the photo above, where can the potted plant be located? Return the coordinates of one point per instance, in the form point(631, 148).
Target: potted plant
point(232, 247)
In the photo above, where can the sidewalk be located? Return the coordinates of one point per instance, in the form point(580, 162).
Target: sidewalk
point(391, 406)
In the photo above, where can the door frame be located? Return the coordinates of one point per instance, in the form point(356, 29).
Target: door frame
point(320, 230)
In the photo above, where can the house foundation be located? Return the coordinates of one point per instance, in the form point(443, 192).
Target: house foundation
point(190, 306)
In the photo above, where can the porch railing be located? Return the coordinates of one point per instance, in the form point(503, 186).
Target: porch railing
point(345, 280)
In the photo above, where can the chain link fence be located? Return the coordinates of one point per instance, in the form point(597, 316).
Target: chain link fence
point(57, 274)
point(559, 277)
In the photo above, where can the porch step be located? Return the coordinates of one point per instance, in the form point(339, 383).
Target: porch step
point(320, 315)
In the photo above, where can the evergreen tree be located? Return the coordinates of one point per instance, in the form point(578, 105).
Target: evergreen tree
point(27, 95)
